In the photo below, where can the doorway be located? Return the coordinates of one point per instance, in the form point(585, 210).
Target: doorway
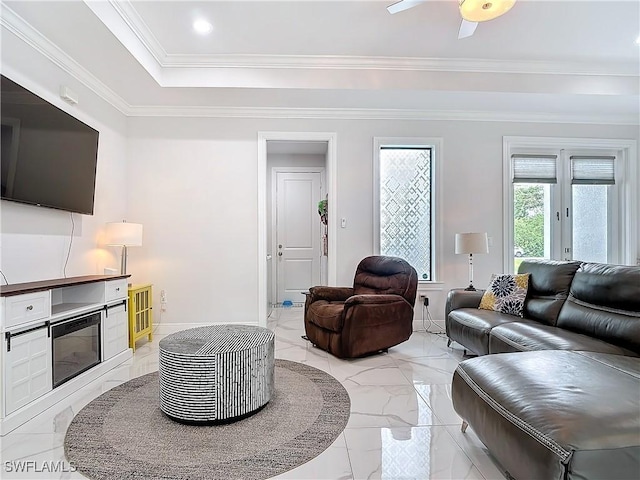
point(303, 163)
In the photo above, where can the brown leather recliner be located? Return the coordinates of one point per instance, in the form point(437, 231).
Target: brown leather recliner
point(377, 313)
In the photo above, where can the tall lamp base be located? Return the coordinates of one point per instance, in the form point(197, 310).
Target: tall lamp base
point(123, 261)
point(470, 288)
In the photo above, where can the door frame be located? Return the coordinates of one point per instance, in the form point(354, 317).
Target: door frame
point(274, 229)
point(330, 189)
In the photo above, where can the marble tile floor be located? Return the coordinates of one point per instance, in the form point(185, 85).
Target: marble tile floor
point(402, 423)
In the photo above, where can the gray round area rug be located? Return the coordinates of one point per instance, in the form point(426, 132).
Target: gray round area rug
point(123, 434)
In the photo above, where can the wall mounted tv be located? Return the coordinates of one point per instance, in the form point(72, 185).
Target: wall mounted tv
point(48, 157)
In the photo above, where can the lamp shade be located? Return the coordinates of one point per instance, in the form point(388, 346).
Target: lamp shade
point(124, 234)
point(472, 243)
point(483, 10)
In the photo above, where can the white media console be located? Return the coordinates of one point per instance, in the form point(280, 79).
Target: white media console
point(58, 335)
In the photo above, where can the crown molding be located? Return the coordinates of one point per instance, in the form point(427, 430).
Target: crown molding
point(15, 24)
point(338, 62)
point(139, 28)
point(378, 114)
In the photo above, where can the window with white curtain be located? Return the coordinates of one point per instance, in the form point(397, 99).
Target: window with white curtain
point(569, 203)
point(404, 206)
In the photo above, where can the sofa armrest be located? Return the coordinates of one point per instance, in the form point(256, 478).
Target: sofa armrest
point(365, 311)
point(459, 298)
point(373, 300)
point(330, 294)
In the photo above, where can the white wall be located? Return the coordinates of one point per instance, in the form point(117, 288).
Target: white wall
point(193, 182)
point(34, 241)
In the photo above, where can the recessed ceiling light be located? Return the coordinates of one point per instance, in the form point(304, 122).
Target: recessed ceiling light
point(202, 27)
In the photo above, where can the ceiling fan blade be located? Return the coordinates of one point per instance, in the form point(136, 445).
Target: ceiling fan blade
point(466, 29)
point(403, 5)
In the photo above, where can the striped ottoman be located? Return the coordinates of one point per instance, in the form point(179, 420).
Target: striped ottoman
point(217, 373)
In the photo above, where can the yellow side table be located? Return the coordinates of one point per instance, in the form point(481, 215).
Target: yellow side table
point(140, 313)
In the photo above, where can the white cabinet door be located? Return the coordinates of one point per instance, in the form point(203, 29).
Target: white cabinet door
point(116, 331)
point(28, 367)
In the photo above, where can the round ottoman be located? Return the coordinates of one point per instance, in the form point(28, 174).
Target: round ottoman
point(216, 373)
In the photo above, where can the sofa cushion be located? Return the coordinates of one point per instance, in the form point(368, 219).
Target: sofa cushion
point(548, 288)
point(554, 414)
point(327, 315)
point(506, 294)
point(604, 302)
point(470, 327)
point(528, 335)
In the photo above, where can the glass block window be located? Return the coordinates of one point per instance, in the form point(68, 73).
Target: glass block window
point(405, 196)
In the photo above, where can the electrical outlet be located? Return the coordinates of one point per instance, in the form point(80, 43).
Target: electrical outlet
point(163, 300)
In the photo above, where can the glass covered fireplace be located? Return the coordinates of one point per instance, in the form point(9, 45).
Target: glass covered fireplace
point(75, 346)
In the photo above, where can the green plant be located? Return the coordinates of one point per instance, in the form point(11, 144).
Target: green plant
point(323, 211)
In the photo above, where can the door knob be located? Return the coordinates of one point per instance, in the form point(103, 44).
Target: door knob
point(279, 254)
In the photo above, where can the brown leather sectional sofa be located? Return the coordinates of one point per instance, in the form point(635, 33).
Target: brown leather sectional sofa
point(556, 394)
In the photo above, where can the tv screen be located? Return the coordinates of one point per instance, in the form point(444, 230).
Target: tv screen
point(48, 157)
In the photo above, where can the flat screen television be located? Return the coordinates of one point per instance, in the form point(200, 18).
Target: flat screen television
point(48, 157)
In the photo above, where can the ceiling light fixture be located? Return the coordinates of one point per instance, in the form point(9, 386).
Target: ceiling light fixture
point(638, 40)
point(202, 27)
point(483, 10)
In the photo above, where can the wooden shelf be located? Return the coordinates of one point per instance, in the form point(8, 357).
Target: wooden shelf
point(30, 287)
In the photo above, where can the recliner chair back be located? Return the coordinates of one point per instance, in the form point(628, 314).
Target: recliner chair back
point(386, 275)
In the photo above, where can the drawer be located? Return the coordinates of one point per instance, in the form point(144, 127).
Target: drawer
point(25, 308)
point(116, 289)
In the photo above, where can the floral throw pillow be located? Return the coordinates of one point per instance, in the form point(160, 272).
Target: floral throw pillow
point(506, 294)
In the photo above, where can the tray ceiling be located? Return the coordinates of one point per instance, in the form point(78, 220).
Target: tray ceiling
point(543, 60)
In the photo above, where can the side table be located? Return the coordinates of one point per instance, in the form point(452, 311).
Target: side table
point(140, 313)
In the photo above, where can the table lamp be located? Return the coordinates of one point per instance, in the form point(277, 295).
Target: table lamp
point(470, 243)
point(123, 234)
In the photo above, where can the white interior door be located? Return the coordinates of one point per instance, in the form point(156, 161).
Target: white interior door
point(298, 234)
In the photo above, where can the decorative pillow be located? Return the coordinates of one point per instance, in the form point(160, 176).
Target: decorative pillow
point(506, 294)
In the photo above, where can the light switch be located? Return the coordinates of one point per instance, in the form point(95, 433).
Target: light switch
point(343, 223)
point(490, 241)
